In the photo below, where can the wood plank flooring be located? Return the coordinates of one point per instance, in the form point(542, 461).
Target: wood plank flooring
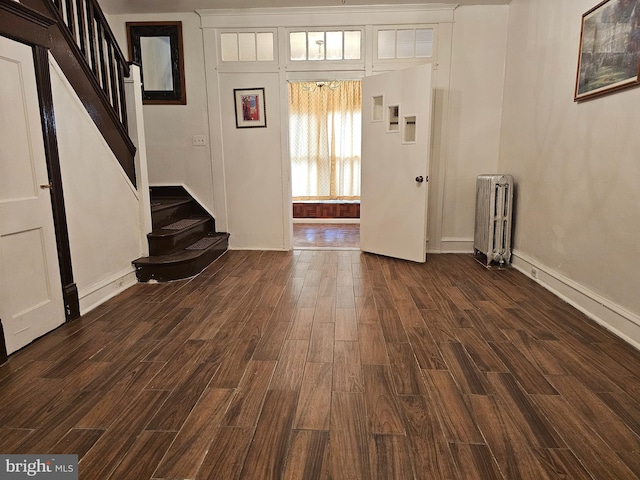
point(330, 364)
point(326, 235)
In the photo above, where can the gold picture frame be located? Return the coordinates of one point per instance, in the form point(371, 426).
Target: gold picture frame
point(609, 56)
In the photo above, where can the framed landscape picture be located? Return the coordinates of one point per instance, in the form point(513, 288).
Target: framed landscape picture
point(609, 57)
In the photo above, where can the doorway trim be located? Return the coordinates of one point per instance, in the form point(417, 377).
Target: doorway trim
point(214, 21)
point(30, 27)
point(305, 76)
point(43, 81)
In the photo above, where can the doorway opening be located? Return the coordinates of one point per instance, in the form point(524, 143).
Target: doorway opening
point(325, 154)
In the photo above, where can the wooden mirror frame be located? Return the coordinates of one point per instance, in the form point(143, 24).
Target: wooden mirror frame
point(173, 30)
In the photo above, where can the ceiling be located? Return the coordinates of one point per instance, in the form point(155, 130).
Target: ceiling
point(114, 7)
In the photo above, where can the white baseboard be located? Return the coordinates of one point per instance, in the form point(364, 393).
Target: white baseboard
point(452, 245)
point(95, 295)
point(611, 316)
point(456, 245)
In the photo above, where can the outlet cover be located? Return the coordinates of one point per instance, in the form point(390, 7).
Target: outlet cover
point(199, 140)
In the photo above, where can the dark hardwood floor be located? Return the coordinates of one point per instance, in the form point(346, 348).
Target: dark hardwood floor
point(330, 364)
point(326, 235)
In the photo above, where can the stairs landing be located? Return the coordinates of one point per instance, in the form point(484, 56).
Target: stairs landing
point(184, 240)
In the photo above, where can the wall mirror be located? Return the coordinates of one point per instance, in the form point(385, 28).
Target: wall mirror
point(157, 48)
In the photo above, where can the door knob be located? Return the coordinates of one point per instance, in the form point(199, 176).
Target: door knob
point(419, 179)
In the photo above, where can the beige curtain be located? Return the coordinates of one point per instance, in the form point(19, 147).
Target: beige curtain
point(325, 129)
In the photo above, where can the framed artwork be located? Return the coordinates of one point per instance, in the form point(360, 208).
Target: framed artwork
point(250, 107)
point(157, 48)
point(609, 57)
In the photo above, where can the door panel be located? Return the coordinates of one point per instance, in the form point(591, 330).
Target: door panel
point(30, 288)
point(396, 140)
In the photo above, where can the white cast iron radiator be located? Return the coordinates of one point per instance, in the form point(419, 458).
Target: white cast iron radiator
point(494, 200)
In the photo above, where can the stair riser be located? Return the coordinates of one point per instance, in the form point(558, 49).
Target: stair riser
point(165, 273)
point(166, 216)
point(180, 240)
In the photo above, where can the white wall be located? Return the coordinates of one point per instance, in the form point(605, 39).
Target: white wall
point(101, 203)
point(576, 167)
point(252, 160)
point(475, 100)
point(173, 160)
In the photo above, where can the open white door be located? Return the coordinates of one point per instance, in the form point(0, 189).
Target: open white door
point(30, 287)
point(396, 140)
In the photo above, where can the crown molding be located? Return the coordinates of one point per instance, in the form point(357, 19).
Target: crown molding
point(325, 16)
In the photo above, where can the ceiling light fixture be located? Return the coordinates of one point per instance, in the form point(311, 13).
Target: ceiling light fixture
point(313, 86)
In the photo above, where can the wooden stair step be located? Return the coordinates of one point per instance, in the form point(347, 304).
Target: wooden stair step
point(184, 263)
point(182, 224)
point(183, 240)
point(179, 234)
point(203, 243)
point(167, 210)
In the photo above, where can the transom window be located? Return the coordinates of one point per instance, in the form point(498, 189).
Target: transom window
point(247, 46)
point(325, 45)
point(405, 43)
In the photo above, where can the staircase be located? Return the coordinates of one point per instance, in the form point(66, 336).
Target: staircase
point(183, 240)
point(85, 48)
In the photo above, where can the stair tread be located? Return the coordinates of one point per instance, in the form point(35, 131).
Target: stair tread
point(178, 226)
point(203, 243)
point(190, 252)
point(162, 203)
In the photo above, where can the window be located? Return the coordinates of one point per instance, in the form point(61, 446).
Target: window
point(325, 135)
point(325, 46)
point(405, 43)
point(246, 47)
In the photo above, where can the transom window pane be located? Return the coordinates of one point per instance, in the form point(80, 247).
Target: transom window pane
point(298, 45)
point(424, 42)
point(387, 44)
point(405, 42)
point(316, 45)
point(352, 42)
point(247, 43)
point(334, 46)
point(264, 42)
point(229, 47)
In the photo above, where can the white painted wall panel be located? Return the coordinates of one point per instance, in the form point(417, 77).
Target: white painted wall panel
point(172, 158)
point(576, 165)
point(477, 78)
point(253, 167)
point(100, 201)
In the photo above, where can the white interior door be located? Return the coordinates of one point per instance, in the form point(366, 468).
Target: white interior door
point(30, 287)
point(396, 139)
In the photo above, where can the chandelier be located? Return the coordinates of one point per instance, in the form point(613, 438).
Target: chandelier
point(313, 86)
